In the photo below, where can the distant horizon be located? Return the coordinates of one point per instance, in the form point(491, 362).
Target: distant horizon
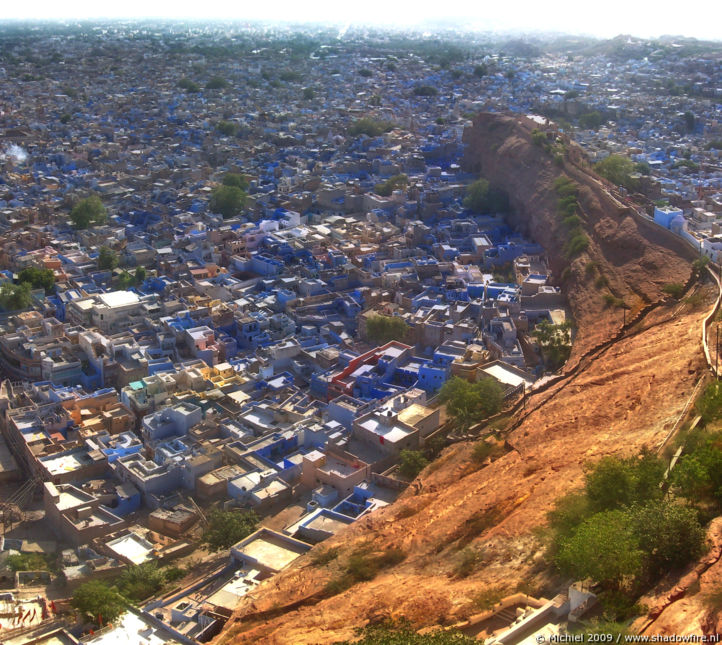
point(556, 17)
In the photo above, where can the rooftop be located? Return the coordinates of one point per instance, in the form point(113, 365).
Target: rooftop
point(269, 549)
point(119, 299)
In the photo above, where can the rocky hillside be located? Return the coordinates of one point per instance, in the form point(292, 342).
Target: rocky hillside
point(622, 397)
point(628, 257)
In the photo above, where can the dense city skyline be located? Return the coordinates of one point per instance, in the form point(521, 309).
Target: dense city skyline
point(698, 19)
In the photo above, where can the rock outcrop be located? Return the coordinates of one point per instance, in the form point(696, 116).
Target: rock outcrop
point(634, 257)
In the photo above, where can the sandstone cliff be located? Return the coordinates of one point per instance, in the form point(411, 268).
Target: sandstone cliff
point(635, 257)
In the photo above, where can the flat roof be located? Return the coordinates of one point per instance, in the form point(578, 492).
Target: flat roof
point(66, 462)
point(72, 497)
point(270, 549)
point(414, 413)
point(132, 547)
point(243, 581)
point(392, 433)
point(119, 298)
point(327, 523)
point(506, 376)
point(131, 628)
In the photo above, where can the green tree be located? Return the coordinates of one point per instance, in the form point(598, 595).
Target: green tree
point(125, 280)
point(307, 93)
point(38, 278)
point(698, 474)
point(14, 297)
point(568, 513)
point(674, 289)
point(481, 197)
point(235, 179)
point(689, 121)
point(613, 483)
point(227, 128)
point(411, 463)
point(382, 329)
point(589, 631)
point(189, 86)
point(691, 478)
point(469, 403)
point(617, 169)
point(555, 342)
point(709, 405)
point(107, 259)
point(225, 528)
point(140, 275)
point(481, 70)
point(27, 562)
point(591, 120)
point(216, 83)
point(289, 76)
point(369, 127)
point(669, 535)
point(604, 548)
point(425, 90)
point(88, 212)
point(539, 138)
point(391, 184)
point(699, 265)
point(140, 582)
point(227, 200)
point(98, 602)
point(402, 633)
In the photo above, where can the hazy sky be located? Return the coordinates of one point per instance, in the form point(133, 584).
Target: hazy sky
point(699, 18)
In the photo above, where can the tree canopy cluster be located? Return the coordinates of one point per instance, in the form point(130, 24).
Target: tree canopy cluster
point(481, 197)
point(370, 127)
point(621, 531)
point(216, 83)
point(14, 297)
point(189, 86)
point(591, 120)
point(229, 201)
point(382, 329)
point(103, 601)
point(107, 259)
point(425, 90)
point(127, 279)
point(555, 342)
point(411, 463)
point(225, 528)
point(469, 403)
point(618, 170)
point(227, 128)
point(235, 179)
point(89, 211)
point(145, 580)
point(393, 183)
point(38, 278)
point(568, 212)
point(98, 601)
point(698, 474)
point(402, 633)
